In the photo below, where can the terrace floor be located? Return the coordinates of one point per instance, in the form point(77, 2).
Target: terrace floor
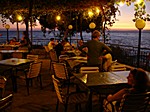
point(39, 100)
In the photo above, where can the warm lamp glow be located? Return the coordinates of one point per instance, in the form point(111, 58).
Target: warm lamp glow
point(7, 26)
point(70, 27)
point(121, 3)
point(97, 10)
point(19, 18)
point(58, 18)
point(92, 25)
point(140, 23)
point(90, 13)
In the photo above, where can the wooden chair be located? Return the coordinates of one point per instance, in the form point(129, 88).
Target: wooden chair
point(89, 69)
point(34, 72)
point(6, 102)
point(26, 67)
point(3, 81)
point(47, 51)
point(33, 57)
point(53, 57)
point(65, 97)
point(131, 103)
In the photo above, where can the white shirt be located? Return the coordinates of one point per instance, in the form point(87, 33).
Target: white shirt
point(108, 62)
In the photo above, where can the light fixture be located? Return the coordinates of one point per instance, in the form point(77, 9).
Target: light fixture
point(92, 25)
point(7, 26)
point(58, 18)
point(19, 18)
point(70, 27)
point(140, 24)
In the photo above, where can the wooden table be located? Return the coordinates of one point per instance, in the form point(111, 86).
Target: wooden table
point(8, 46)
point(103, 82)
point(14, 63)
point(20, 53)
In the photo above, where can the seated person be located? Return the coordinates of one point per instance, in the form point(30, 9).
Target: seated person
point(51, 44)
point(25, 42)
point(107, 62)
point(137, 79)
point(14, 41)
point(67, 45)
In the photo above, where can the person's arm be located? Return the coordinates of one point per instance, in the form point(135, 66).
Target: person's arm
point(83, 46)
point(117, 96)
point(108, 49)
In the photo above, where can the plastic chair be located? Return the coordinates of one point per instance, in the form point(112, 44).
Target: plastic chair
point(131, 103)
point(3, 81)
point(66, 97)
point(34, 72)
point(6, 102)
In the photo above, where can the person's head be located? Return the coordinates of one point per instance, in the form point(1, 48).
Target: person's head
point(138, 79)
point(52, 39)
point(96, 34)
point(25, 33)
point(14, 39)
point(80, 43)
point(66, 40)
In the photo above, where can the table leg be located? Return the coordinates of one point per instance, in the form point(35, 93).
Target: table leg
point(14, 80)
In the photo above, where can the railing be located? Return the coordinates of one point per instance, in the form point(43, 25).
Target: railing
point(122, 53)
point(128, 55)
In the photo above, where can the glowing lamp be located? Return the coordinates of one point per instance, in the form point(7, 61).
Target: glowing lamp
point(140, 23)
point(19, 18)
point(70, 27)
point(7, 26)
point(58, 18)
point(92, 25)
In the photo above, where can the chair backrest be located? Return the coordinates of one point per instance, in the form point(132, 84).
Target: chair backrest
point(2, 85)
point(46, 49)
point(135, 102)
point(53, 56)
point(34, 69)
point(60, 70)
point(33, 57)
point(119, 67)
point(58, 89)
point(89, 69)
point(6, 102)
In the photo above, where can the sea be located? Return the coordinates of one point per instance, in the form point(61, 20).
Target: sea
point(127, 38)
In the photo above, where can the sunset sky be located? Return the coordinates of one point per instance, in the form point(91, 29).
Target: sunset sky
point(124, 20)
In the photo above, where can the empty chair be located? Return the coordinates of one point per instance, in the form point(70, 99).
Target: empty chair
point(89, 69)
point(131, 103)
point(26, 67)
point(47, 51)
point(6, 102)
point(2, 85)
point(34, 72)
point(33, 57)
point(118, 67)
point(66, 97)
point(53, 57)
point(61, 71)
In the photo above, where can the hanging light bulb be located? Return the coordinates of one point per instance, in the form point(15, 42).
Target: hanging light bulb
point(58, 18)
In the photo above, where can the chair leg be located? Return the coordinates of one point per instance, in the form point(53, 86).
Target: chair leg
point(80, 109)
point(40, 81)
point(27, 84)
point(57, 105)
point(66, 107)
